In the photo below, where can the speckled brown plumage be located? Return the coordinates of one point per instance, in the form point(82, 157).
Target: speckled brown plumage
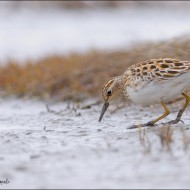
point(149, 82)
point(158, 69)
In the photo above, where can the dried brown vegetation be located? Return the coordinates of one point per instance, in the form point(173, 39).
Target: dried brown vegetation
point(77, 76)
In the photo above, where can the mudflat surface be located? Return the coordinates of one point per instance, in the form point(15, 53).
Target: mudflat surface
point(66, 147)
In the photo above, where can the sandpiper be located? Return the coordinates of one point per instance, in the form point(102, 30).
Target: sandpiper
point(150, 82)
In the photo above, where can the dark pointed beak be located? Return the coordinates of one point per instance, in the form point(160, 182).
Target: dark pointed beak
point(105, 107)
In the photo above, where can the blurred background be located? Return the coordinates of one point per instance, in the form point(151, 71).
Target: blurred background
point(82, 37)
point(34, 29)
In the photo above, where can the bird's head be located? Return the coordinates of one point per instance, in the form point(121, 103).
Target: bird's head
point(111, 91)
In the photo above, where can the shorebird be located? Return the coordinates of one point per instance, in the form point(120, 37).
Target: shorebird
point(150, 82)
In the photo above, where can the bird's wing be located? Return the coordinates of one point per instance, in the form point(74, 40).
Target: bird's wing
point(155, 69)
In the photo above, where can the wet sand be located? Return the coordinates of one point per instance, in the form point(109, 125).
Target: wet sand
point(66, 147)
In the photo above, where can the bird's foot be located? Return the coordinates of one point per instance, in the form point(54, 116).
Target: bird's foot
point(152, 124)
point(149, 124)
point(173, 122)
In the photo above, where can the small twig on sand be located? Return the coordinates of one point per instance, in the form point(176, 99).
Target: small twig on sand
point(52, 111)
point(90, 105)
point(47, 107)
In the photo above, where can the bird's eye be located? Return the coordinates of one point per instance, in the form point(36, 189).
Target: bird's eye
point(109, 92)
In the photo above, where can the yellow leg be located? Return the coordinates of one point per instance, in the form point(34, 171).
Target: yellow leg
point(151, 123)
point(167, 112)
point(182, 110)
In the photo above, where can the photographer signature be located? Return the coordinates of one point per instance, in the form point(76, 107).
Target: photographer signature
point(3, 182)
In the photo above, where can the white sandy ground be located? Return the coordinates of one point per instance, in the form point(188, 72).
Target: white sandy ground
point(76, 151)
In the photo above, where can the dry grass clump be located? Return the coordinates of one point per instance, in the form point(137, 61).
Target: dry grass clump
point(77, 76)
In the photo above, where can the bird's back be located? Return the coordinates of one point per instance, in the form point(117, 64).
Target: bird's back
point(166, 68)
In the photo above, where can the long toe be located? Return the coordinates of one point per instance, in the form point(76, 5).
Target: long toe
point(174, 121)
point(149, 124)
point(134, 127)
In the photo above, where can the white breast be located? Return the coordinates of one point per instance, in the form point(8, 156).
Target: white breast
point(156, 91)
